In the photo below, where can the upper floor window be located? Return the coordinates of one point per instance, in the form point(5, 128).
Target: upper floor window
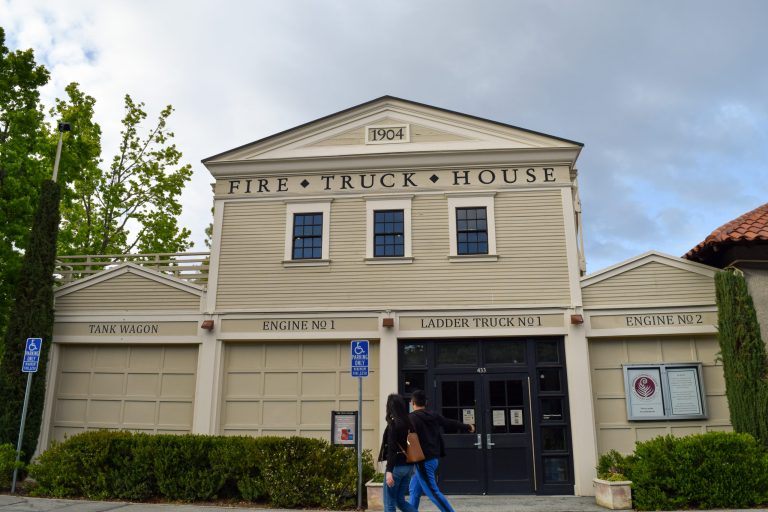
point(307, 232)
point(389, 233)
point(472, 226)
point(307, 236)
point(389, 229)
point(471, 231)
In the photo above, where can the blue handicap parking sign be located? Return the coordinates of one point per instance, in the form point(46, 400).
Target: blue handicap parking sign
point(359, 358)
point(32, 355)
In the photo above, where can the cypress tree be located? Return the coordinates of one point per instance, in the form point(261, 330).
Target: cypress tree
point(742, 350)
point(31, 317)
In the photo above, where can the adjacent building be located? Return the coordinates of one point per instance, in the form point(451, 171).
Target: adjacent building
point(453, 244)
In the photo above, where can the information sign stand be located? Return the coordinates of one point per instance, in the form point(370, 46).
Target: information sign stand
point(344, 428)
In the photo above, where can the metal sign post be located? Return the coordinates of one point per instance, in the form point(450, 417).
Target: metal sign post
point(28, 366)
point(359, 370)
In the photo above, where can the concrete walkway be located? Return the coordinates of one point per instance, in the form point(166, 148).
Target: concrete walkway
point(460, 503)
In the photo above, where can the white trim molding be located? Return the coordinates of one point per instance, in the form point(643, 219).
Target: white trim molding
point(374, 204)
point(472, 200)
point(319, 206)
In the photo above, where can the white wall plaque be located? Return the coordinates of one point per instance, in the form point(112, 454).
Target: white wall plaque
point(684, 397)
point(645, 395)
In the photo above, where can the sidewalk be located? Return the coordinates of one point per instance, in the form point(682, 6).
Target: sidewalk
point(460, 503)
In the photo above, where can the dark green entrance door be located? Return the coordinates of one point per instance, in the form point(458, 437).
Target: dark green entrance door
point(507, 429)
point(514, 391)
point(459, 398)
point(498, 457)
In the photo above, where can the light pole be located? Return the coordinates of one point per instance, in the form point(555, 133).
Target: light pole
point(63, 127)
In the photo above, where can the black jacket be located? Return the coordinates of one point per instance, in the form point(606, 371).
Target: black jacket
point(393, 443)
point(430, 426)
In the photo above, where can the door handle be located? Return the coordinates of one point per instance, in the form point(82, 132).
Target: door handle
point(488, 441)
point(479, 442)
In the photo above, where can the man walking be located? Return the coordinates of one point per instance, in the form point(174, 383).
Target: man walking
point(429, 426)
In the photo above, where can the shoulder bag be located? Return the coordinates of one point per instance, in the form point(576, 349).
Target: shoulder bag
point(413, 452)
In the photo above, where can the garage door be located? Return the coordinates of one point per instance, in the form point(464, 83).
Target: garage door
point(138, 388)
point(291, 388)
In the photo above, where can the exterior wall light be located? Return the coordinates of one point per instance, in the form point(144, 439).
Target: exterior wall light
point(577, 319)
point(387, 322)
point(207, 325)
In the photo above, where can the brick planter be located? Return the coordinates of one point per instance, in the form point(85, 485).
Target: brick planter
point(613, 495)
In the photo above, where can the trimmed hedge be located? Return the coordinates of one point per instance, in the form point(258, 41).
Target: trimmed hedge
point(712, 470)
point(289, 472)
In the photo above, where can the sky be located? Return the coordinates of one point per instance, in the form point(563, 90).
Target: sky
point(669, 98)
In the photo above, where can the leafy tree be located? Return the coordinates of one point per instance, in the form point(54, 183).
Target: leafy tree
point(132, 205)
point(742, 350)
point(32, 316)
point(79, 170)
point(21, 168)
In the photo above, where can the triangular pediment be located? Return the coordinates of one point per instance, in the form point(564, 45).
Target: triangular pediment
point(424, 129)
point(651, 279)
point(133, 272)
point(653, 258)
point(128, 288)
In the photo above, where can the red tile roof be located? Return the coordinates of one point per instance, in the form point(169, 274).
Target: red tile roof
point(750, 227)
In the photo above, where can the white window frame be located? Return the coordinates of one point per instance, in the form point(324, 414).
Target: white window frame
point(472, 200)
point(291, 209)
point(373, 204)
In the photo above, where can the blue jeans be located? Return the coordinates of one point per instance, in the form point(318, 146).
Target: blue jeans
point(423, 482)
point(395, 495)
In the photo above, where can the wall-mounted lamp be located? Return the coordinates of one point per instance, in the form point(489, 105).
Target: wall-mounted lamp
point(387, 322)
point(577, 319)
point(207, 325)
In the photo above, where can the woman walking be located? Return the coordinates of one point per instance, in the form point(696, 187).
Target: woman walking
point(393, 445)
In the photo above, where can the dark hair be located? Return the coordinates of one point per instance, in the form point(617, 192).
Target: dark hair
point(397, 410)
point(419, 398)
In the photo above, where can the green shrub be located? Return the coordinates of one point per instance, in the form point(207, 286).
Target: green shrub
point(130, 472)
point(280, 471)
point(614, 466)
point(713, 470)
point(183, 469)
point(8, 464)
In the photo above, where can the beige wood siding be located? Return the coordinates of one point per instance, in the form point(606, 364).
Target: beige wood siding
point(653, 284)
point(137, 388)
point(128, 292)
point(348, 138)
point(531, 269)
point(606, 356)
point(291, 388)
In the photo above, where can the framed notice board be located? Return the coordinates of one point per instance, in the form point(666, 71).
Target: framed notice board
point(664, 391)
point(344, 428)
